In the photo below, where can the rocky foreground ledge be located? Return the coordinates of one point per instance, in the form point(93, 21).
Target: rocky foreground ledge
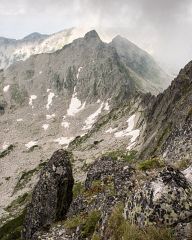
point(117, 201)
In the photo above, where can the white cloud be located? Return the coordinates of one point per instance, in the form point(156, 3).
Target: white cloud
point(160, 27)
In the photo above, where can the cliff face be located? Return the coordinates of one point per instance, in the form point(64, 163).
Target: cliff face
point(169, 129)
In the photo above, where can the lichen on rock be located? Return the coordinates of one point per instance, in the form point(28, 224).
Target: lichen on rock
point(165, 200)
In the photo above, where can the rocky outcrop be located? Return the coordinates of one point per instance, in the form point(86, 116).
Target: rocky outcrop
point(52, 195)
point(165, 200)
point(108, 182)
point(118, 171)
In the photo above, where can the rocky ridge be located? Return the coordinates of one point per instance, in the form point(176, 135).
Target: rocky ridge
point(128, 139)
point(168, 130)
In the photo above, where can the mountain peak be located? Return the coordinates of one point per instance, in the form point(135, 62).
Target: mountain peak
point(92, 35)
point(34, 36)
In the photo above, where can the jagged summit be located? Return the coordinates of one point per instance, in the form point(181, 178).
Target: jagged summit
point(92, 35)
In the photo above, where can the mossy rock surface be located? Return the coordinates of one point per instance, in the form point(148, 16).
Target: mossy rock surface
point(86, 222)
point(11, 230)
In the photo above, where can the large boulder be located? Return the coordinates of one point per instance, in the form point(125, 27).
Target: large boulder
point(165, 200)
point(52, 195)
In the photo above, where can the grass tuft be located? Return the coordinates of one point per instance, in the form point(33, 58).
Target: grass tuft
point(86, 222)
point(149, 164)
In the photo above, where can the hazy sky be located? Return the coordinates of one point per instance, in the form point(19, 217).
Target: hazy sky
point(162, 27)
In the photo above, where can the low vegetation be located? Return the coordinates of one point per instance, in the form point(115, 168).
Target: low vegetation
point(12, 229)
point(149, 164)
point(78, 189)
point(19, 202)
point(127, 156)
point(164, 134)
point(119, 228)
point(183, 164)
point(87, 223)
point(95, 237)
point(26, 177)
point(97, 187)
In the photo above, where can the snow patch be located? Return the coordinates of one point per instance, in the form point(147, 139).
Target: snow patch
point(91, 119)
point(50, 99)
point(65, 124)
point(5, 146)
point(32, 97)
point(20, 120)
point(45, 126)
point(31, 144)
point(78, 72)
point(75, 105)
point(6, 88)
point(63, 140)
point(188, 173)
point(48, 89)
point(135, 134)
point(111, 130)
point(98, 101)
point(129, 132)
point(131, 146)
point(40, 72)
point(48, 117)
point(106, 107)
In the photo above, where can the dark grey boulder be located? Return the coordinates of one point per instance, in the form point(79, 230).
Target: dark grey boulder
point(52, 195)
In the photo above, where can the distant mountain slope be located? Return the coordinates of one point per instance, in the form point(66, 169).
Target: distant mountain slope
point(140, 62)
point(12, 50)
point(103, 71)
point(54, 98)
point(134, 58)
